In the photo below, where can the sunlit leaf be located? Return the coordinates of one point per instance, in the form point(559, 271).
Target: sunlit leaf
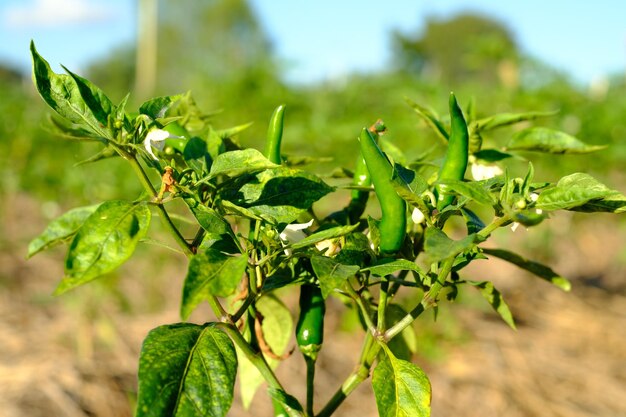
point(107, 238)
point(186, 370)
point(581, 192)
point(60, 229)
point(536, 268)
point(401, 388)
point(494, 298)
point(543, 139)
point(210, 273)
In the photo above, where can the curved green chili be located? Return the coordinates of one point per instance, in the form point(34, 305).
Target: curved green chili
point(393, 221)
point(455, 161)
point(275, 135)
point(362, 178)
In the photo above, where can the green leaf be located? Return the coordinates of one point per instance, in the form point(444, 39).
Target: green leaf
point(409, 185)
point(491, 155)
point(431, 119)
point(438, 246)
point(543, 139)
point(210, 272)
point(278, 195)
point(63, 95)
point(60, 229)
point(331, 274)
point(107, 238)
point(472, 221)
point(186, 370)
point(401, 388)
point(494, 298)
point(290, 403)
point(218, 233)
point(389, 266)
point(540, 270)
point(581, 192)
point(506, 119)
point(237, 163)
point(332, 233)
point(157, 107)
point(96, 101)
point(277, 326)
point(474, 190)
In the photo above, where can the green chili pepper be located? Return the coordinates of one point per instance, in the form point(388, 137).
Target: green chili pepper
point(310, 326)
point(455, 161)
point(393, 222)
point(362, 179)
point(275, 135)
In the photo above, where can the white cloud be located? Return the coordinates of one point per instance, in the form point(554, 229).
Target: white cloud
point(55, 13)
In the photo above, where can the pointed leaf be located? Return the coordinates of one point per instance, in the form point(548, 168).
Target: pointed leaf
point(107, 238)
point(157, 107)
point(237, 163)
point(582, 192)
point(536, 268)
point(332, 233)
point(98, 104)
point(438, 246)
point(494, 298)
point(389, 266)
point(218, 233)
point(431, 119)
point(332, 274)
point(474, 190)
point(186, 370)
point(278, 195)
point(60, 229)
point(506, 119)
point(543, 139)
point(63, 95)
point(210, 272)
point(401, 388)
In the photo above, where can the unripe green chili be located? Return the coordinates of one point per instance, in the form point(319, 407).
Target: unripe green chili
point(455, 161)
point(275, 135)
point(362, 179)
point(310, 326)
point(393, 221)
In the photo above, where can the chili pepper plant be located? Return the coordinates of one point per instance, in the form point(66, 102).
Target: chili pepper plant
point(258, 238)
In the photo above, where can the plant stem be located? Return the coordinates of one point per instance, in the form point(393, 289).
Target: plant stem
point(381, 325)
point(364, 311)
point(310, 386)
point(353, 381)
point(428, 300)
point(167, 221)
point(496, 223)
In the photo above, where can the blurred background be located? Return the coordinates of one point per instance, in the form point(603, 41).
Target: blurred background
point(338, 66)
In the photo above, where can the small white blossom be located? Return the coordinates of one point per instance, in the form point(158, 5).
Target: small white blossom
point(514, 226)
point(417, 216)
point(484, 172)
point(534, 197)
point(293, 233)
point(156, 139)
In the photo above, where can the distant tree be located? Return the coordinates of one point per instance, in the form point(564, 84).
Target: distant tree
point(467, 46)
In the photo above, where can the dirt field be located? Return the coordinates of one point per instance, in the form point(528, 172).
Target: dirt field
point(76, 355)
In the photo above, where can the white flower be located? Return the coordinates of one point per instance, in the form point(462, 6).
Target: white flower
point(293, 233)
point(484, 172)
point(417, 216)
point(514, 226)
point(156, 139)
point(534, 197)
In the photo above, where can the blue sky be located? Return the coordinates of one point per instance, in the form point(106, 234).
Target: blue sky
point(327, 38)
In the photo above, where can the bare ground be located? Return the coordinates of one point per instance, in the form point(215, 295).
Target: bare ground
point(76, 355)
